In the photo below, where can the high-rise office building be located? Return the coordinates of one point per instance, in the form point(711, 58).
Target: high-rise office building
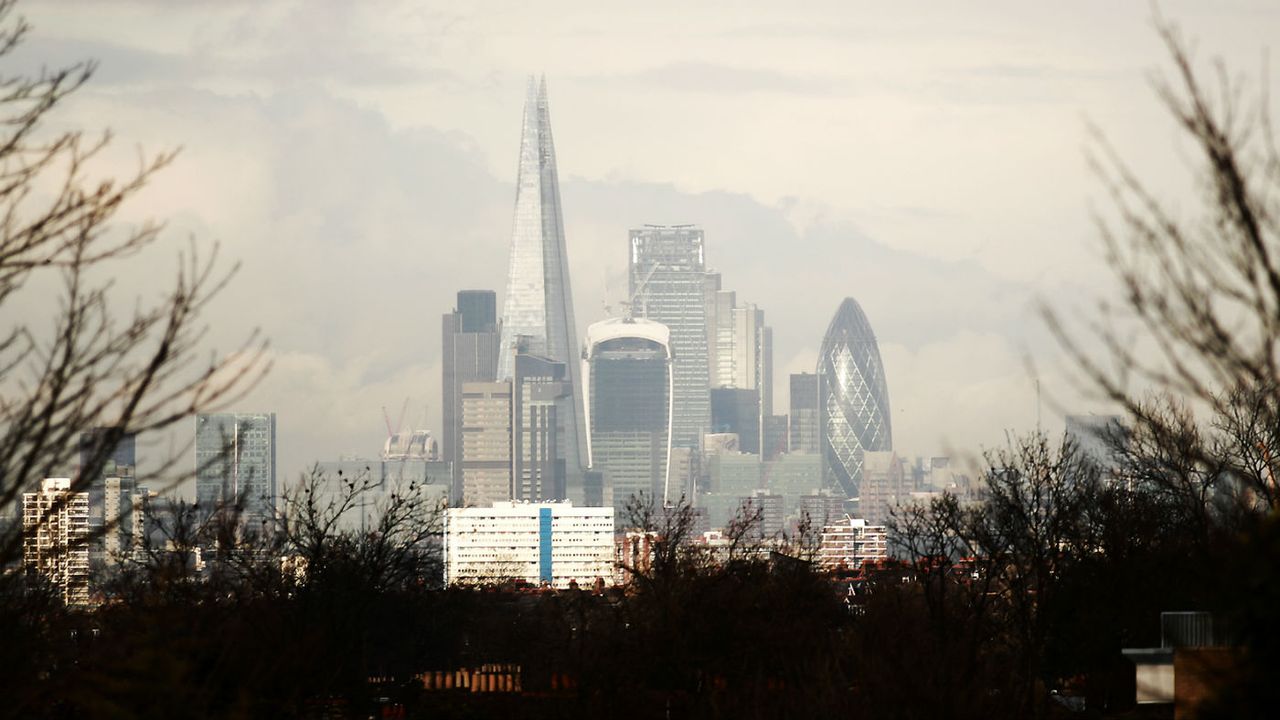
point(773, 440)
point(540, 393)
point(55, 538)
point(737, 411)
point(486, 443)
point(236, 464)
point(853, 398)
point(740, 347)
point(470, 354)
point(804, 413)
point(627, 364)
point(104, 453)
point(119, 495)
point(111, 446)
point(537, 311)
point(669, 284)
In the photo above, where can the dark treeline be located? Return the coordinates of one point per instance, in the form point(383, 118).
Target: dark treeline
point(996, 608)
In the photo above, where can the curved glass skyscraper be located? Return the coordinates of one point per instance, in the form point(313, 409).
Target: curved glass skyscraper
point(853, 399)
point(627, 365)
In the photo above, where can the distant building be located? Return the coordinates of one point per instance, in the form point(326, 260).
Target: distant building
point(537, 310)
point(851, 542)
point(371, 481)
point(486, 443)
point(120, 496)
point(540, 396)
point(737, 411)
point(104, 453)
point(554, 544)
point(820, 508)
point(121, 453)
point(774, 440)
point(794, 476)
point(883, 487)
point(628, 369)
point(55, 542)
point(804, 413)
point(236, 464)
point(740, 347)
point(732, 478)
point(1099, 439)
point(771, 510)
point(853, 398)
point(668, 284)
point(470, 354)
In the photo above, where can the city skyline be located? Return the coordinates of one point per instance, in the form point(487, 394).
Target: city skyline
point(949, 271)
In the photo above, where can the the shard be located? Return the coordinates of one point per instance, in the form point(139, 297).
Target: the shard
point(537, 312)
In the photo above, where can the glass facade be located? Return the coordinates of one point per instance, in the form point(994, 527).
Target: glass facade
point(236, 463)
point(469, 345)
point(669, 284)
point(804, 413)
point(540, 397)
point(853, 398)
point(628, 365)
point(537, 311)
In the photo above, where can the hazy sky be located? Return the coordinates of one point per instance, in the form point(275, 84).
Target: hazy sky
point(359, 159)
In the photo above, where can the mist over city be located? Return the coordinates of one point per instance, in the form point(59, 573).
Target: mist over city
point(421, 359)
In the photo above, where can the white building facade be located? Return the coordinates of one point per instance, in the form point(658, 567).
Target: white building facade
point(852, 542)
point(55, 544)
point(552, 544)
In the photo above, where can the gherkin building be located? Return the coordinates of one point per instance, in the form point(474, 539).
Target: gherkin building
point(853, 402)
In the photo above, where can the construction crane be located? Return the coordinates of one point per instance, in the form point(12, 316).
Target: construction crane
point(399, 423)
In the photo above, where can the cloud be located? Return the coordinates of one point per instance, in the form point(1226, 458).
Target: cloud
point(716, 79)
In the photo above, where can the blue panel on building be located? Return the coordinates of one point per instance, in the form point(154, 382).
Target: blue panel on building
point(544, 544)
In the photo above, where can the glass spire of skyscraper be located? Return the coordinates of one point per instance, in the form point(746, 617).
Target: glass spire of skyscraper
point(537, 311)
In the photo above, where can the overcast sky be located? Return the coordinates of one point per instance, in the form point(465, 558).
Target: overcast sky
point(359, 159)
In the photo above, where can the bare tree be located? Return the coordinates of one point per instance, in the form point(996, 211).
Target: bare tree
point(1199, 321)
point(89, 368)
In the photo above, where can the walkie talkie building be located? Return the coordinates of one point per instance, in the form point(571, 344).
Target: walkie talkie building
point(853, 398)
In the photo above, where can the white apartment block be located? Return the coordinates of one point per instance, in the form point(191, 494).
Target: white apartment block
point(551, 543)
point(55, 544)
point(852, 542)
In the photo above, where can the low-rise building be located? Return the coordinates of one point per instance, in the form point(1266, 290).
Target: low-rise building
point(851, 542)
point(551, 543)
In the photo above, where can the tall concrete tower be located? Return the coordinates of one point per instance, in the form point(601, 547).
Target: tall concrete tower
point(537, 311)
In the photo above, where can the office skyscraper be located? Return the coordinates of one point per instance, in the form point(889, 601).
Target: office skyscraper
point(538, 308)
point(106, 453)
point(740, 347)
point(470, 354)
point(627, 364)
point(236, 463)
point(804, 413)
point(540, 392)
point(485, 443)
point(737, 411)
point(853, 398)
point(669, 284)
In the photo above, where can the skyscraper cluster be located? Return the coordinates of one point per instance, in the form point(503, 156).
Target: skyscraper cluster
point(671, 400)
